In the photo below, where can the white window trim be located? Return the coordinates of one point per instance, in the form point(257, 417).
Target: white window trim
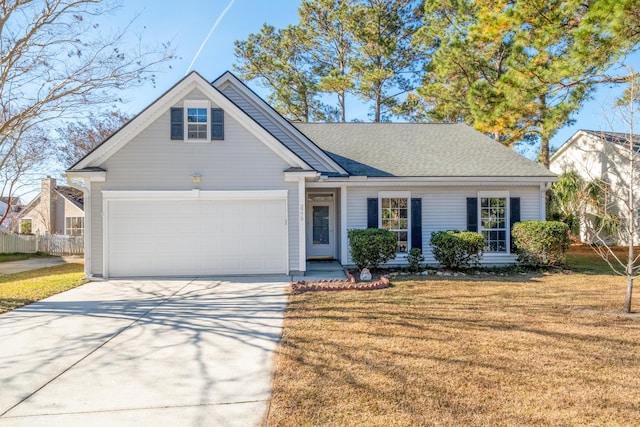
point(397, 195)
point(197, 104)
point(507, 218)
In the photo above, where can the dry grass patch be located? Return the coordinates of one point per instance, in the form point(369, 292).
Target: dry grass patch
point(17, 290)
point(544, 350)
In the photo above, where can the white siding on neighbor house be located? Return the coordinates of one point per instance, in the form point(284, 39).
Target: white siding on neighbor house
point(152, 161)
point(594, 160)
point(586, 156)
point(443, 208)
point(274, 128)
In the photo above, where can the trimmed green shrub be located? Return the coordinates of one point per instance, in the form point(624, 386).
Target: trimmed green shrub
point(457, 249)
point(541, 242)
point(414, 259)
point(372, 247)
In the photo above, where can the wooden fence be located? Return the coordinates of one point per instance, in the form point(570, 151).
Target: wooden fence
point(51, 244)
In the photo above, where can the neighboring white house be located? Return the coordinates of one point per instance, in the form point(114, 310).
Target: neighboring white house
point(602, 156)
point(210, 180)
point(58, 209)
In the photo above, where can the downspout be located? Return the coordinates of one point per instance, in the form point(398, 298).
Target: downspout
point(544, 188)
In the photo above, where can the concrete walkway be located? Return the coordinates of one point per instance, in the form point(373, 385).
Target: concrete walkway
point(322, 270)
point(35, 263)
point(190, 352)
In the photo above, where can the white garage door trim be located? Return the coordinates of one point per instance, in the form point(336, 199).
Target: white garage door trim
point(109, 196)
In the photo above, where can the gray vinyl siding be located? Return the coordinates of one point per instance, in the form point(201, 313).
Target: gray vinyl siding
point(274, 128)
point(443, 208)
point(152, 161)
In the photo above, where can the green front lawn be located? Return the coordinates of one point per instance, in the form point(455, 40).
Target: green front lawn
point(21, 256)
point(24, 288)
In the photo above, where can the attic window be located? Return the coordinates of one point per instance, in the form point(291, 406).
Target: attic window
point(197, 120)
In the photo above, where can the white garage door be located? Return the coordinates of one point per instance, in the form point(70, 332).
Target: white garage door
point(196, 237)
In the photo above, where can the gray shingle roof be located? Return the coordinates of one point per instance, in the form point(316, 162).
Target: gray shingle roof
point(616, 137)
point(74, 195)
point(418, 150)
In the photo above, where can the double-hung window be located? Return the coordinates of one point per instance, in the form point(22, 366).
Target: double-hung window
point(394, 216)
point(74, 226)
point(494, 223)
point(197, 120)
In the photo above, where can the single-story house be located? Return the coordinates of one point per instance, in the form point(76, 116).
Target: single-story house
point(58, 209)
point(602, 157)
point(211, 180)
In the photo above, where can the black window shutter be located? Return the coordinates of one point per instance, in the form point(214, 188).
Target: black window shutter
point(416, 223)
point(177, 123)
point(372, 213)
point(217, 124)
point(514, 216)
point(472, 214)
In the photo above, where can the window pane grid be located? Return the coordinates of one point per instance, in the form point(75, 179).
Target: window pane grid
point(394, 217)
point(197, 123)
point(493, 223)
point(74, 226)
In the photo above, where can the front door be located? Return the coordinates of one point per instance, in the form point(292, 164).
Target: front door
point(321, 226)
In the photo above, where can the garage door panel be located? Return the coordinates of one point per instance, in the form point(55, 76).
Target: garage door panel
point(196, 237)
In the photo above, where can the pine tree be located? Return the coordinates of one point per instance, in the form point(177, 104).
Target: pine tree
point(521, 68)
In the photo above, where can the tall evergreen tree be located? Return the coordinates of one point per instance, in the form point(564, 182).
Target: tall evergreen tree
point(326, 23)
point(529, 64)
point(279, 60)
point(341, 47)
point(386, 61)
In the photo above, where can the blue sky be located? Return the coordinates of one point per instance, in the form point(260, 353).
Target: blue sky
point(187, 25)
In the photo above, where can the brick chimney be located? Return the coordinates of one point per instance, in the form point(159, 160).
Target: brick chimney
point(48, 200)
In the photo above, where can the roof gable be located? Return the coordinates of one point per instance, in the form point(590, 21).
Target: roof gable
point(612, 138)
point(154, 111)
point(275, 124)
point(419, 150)
point(73, 195)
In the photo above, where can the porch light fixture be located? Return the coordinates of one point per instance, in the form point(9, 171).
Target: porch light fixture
point(195, 179)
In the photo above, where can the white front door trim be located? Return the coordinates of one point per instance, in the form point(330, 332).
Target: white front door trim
point(322, 250)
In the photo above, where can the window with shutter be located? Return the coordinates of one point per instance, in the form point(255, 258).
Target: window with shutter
point(197, 121)
point(395, 214)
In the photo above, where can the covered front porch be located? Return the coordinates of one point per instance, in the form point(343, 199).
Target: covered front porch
point(325, 227)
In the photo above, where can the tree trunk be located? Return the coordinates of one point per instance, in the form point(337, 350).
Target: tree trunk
point(544, 151)
point(544, 136)
point(632, 228)
point(627, 299)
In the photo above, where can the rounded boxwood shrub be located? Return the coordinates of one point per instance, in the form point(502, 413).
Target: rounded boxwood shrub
point(541, 242)
point(372, 247)
point(457, 249)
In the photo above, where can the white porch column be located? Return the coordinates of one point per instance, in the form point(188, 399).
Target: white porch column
point(344, 244)
point(87, 178)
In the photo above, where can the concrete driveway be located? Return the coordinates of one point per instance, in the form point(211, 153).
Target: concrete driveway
point(187, 352)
